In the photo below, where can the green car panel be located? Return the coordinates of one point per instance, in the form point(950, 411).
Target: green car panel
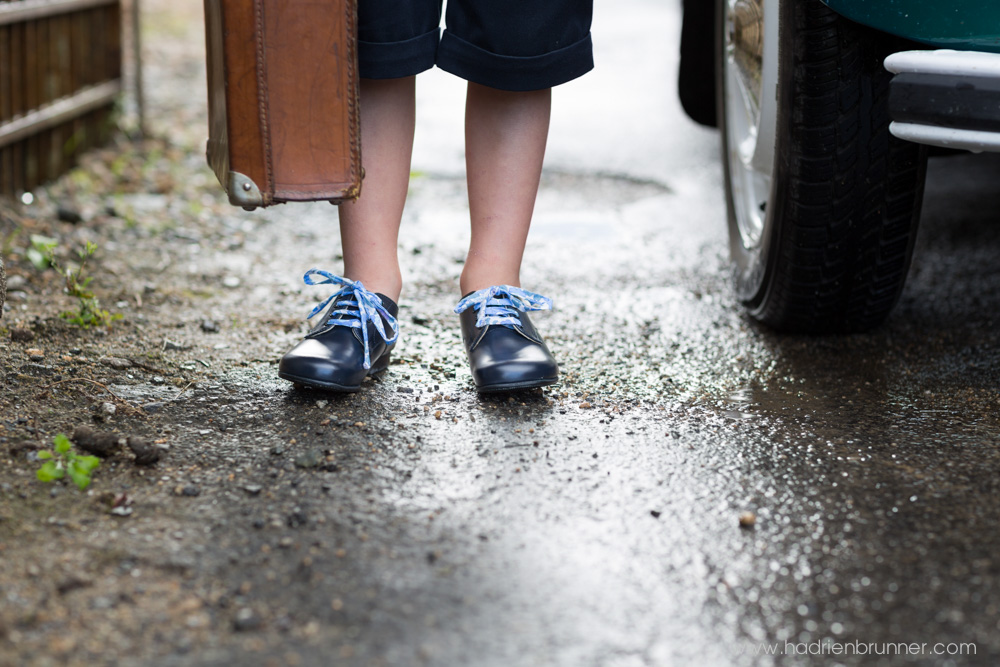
point(964, 25)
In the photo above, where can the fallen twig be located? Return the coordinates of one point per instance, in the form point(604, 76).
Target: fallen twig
point(113, 395)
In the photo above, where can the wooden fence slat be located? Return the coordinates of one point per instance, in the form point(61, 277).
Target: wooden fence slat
point(60, 75)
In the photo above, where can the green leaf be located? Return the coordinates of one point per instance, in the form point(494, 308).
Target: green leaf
point(86, 463)
point(50, 472)
point(43, 243)
point(79, 477)
point(62, 443)
point(37, 259)
point(44, 456)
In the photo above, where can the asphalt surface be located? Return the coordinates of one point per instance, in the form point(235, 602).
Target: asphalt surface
point(597, 522)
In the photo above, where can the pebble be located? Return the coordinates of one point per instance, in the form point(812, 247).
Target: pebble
point(585, 406)
point(210, 326)
point(246, 620)
point(253, 489)
point(22, 335)
point(109, 409)
point(748, 520)
point(116, 362)
point(173, 345)
point(309, 459)
point(68, 214)
point(231, 282)
point(16, 282)
point(190, 491)
point(152, 408)
point(35, 354)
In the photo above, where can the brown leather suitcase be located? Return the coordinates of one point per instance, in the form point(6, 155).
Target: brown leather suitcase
point(283, 100)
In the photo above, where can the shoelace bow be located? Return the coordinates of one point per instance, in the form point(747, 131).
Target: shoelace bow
point(363, 308)
point(499, 305)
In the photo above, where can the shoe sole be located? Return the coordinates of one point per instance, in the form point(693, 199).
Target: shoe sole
point(515, 386)
point(380, 365)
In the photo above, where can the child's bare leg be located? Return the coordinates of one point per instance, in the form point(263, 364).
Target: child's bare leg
point(369, 227)
point(505, 135)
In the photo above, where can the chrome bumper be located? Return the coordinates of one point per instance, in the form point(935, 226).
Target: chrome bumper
point(946, 98)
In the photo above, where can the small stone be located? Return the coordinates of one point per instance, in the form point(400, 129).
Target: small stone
point(152, 408)
point(22, 335)
point(68, 214)
point(109, 409)
point(101, 603)
point(210, 326)
point(585, 405)
point(404, 390)
point(310, 459)
point(158, 380)
point(71, 583)
point(231, 282)
point(16, 282)
point(655, 514)
point(246, 620)
point(297, 519)
point(35, 354)
point(322, 404)
point(116, 362)
point(173, 345)
point(286, 542)
point(748, 520)
point(190, 491)
point(253, 489)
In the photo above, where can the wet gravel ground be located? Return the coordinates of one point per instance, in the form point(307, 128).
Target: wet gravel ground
point(697, 488)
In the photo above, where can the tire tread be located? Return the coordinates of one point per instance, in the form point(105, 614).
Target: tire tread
point(852, 204)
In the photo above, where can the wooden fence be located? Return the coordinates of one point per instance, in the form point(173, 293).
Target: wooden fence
point(60, 76)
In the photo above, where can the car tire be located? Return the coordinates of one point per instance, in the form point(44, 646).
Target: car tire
point(823, 203)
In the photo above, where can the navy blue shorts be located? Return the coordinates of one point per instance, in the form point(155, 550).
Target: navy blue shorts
point(507, 44)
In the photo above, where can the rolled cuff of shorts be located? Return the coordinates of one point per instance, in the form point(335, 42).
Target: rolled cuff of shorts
point(392, 60)
point(514, 73)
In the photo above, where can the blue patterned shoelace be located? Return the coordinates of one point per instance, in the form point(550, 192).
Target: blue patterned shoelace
point(499, 305)
point(358, 304)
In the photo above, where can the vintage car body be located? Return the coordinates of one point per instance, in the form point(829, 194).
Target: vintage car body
point(952, 24)
point(825, 109)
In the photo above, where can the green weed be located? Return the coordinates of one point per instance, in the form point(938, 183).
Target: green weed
point(40, 251)
point(65, 461)
point(88, 312)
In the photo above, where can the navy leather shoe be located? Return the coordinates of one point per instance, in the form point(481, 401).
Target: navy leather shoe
point(505, 350)
point(351, 342)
